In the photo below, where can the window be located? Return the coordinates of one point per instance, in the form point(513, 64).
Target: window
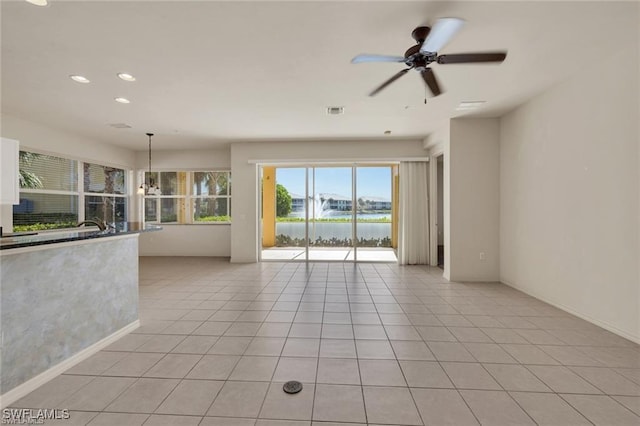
point(52, 197)
point(105, 193)
point(48, 193)
point(189, 197)
point(210, 196)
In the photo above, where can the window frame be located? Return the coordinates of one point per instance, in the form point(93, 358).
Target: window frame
point(188, 198)
point(83, 194)
point(80, 192)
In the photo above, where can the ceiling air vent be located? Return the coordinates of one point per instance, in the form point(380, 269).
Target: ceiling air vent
point(335, 110)
point(120, 126)
point(468, 105)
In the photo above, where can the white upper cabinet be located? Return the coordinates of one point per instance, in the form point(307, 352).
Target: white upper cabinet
point(9, 169)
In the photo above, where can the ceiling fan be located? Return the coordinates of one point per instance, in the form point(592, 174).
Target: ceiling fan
point(429, 42)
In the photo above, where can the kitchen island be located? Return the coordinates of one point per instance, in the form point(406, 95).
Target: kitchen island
point(64, 296)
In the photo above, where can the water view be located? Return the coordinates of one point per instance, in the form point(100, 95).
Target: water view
point(330, 205)
point(343, 216)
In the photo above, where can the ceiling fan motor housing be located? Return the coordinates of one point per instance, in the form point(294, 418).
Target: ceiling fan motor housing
point(420, 34)
point(415, 59)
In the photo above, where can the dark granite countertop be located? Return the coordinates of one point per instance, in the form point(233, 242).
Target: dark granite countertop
point(45, 238)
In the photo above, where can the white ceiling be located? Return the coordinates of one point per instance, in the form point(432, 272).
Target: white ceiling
point(213, 72)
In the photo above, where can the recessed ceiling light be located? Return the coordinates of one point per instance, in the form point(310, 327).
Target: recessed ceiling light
point(122, 100)
point(467, 105)
point(39, 2)
point(335, 110)
point(126, 77)
point(79, 79)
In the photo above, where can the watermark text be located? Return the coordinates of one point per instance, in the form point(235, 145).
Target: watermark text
point(30, 416)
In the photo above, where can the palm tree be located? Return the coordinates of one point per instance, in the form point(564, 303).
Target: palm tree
point(218, 184)
point(28, 179)
point(222, 188)
point(201, 178)
point(111, 174)
point(113, 184)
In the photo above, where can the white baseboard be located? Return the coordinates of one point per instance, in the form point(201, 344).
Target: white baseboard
point(592, 320)
point(42, 378)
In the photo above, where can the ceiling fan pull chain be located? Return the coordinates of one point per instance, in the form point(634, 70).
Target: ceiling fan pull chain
point(425, 95)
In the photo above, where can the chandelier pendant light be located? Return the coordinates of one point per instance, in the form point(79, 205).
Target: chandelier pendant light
point(149, 188)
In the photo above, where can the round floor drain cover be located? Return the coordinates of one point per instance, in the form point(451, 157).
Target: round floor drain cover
point(292, 387)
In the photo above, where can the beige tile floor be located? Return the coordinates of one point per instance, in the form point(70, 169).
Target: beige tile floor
point(372, 343)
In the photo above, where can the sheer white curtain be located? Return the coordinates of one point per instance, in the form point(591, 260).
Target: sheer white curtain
point(413, 221)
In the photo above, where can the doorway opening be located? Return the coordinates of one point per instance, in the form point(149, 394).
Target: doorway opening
point(440, 209)
point(342, 212)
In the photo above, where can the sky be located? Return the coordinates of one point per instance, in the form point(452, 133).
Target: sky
point(373, 181)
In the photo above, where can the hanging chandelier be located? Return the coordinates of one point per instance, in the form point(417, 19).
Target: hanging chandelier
point(149, 188)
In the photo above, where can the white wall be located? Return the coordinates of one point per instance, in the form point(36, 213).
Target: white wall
point(193, 239)
point(184, 159)
point(47, 140)
point(474, 222)
point(437, 143)
point(244, 229)
point(569, 198)
point(187, 240)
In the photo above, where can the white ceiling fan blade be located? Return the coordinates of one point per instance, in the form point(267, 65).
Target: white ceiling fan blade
point(376, 58)
point(440, 34)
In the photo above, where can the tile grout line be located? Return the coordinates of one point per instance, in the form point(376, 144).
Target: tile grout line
point(315, 386)
point(455, 388)
point(284, 345)
point(281, 351)
point(415, 405)
point(225, 382)
point(353, 330)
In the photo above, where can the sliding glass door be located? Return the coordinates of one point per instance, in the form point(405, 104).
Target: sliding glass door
point(373, 228)
point(328, 213)
point(330, 208)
